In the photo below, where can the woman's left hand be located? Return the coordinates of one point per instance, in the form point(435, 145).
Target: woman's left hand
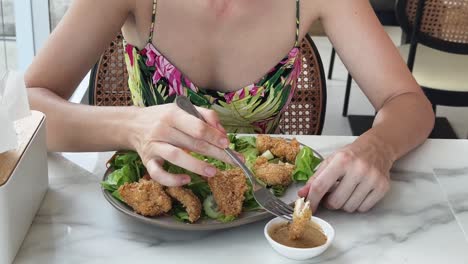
point(355, 177)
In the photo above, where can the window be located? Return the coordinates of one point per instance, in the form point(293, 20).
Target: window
point(57, 9)
point(7, 37)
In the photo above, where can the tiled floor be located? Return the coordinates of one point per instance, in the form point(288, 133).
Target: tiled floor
point(335, 124)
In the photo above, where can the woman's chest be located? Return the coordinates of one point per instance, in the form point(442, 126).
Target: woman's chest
point(225, 45)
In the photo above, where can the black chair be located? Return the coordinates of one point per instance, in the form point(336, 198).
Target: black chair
point(437, 55)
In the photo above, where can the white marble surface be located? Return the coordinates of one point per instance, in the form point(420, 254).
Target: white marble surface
point(414, 224)
point(454, 183)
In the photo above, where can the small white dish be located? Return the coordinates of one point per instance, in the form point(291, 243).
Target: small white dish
point(300, 253)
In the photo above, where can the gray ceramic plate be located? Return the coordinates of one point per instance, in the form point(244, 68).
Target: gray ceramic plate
point(170, 222)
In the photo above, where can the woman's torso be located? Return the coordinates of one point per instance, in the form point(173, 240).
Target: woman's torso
point(224, 46)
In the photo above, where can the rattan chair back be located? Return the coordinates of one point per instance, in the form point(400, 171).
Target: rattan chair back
point(443, 25)
point(305, 114)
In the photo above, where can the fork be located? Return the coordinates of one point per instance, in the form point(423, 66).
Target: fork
point(262, 195)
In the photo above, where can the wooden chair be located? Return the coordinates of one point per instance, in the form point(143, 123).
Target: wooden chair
point(440, 66)
point(437, 32)
point(438, 51)
point(305, 114)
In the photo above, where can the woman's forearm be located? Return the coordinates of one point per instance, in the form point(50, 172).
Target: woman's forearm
point(403, 123)
point(74, 127)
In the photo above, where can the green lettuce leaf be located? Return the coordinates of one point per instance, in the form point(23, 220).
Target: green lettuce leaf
point(197, 184)
point(250, 204)
point(226, 218)
point(127, 168)
point(126, 174)
point(129, 158)
point(245, 142)
point(247, 146)
point(250, 156)
point(232, 138)
point(179, 213)
point(306, 162)
point(279, 190)
point(117, 195)
point(217, 163)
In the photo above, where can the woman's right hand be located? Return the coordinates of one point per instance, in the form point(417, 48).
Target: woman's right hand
point(166, 132)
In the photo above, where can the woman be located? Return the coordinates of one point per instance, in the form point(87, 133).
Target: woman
point(219, 46)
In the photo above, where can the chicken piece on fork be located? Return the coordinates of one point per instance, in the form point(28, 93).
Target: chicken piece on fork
point(301, 219)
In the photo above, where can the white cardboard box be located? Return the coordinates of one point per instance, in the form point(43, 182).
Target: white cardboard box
point(23, 184)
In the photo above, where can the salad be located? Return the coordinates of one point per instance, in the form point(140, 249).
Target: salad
point(276, 163)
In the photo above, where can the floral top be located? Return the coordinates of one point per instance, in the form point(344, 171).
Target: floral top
point(256, 108)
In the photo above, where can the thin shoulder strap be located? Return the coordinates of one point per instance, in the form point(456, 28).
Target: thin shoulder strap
point(153, 21)
point(298, 21)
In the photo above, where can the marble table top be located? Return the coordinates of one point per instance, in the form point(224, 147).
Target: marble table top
point(454, 182)
point(422, 220)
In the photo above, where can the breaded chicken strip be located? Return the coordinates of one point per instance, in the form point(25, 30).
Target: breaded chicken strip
point(264, 143)
point(146, 197)
point(273, 174)
point(301, 219)
point(286, 149)
point(279, 147)
point(188, 199)
point(228, 189)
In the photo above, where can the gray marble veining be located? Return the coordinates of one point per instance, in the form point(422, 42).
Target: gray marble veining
point(415, 223)
point(454, 183)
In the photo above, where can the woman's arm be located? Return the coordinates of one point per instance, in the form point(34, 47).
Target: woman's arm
point(404, 120)
point(72, 49)
point(158, 133)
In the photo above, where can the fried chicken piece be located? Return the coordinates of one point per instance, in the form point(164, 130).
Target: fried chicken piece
point(301, 219)
point(279, 147)
point(228, 189)
point(188, 199)
point(285, 149)
point(146, 197)
point(273, 174)
point(264, 143)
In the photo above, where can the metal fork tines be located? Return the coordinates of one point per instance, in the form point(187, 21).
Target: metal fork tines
point(262, 195)
point(272, 204)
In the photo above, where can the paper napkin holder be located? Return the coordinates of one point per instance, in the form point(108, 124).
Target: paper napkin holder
point(23, 184)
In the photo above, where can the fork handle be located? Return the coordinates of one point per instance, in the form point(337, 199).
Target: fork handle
point(185, 104)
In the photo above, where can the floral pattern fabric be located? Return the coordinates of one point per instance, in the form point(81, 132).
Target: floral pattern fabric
point(256, 108)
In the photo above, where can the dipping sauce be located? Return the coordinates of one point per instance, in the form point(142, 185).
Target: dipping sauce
point(312, 237)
